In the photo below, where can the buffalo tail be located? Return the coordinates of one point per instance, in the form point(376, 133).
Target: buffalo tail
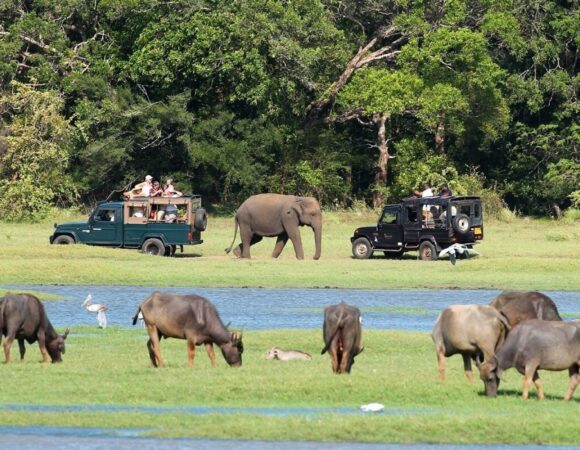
point(136, 316)
point(332, 336)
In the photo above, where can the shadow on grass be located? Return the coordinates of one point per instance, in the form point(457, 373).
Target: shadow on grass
point(516, 393)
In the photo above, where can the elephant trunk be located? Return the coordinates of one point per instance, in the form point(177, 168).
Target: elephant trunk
point(317, 241)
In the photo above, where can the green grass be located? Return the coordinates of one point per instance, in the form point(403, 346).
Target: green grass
point(397, 369)
point(524, 254)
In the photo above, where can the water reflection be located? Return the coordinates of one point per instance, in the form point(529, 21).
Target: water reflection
point(48, 438)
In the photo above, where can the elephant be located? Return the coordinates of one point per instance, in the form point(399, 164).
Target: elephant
point(269, 215)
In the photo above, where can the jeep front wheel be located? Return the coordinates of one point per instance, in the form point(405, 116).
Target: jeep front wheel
point(361, 249)
point(153, 247)
point(427, 251)
point(63, 239)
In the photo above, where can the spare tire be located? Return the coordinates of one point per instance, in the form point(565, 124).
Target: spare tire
point(200, 221)
point(461, 223)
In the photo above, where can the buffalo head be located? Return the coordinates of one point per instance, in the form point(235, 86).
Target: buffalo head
point(488, 372)
point(233, 349)
point(56, 347)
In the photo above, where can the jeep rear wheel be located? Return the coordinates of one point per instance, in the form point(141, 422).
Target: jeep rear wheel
point(427, 251)
point(63, 239)
point(461, 224)
point(361, 249)
point(153, 247)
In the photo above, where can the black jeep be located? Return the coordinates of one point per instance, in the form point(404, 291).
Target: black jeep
point(428, 224)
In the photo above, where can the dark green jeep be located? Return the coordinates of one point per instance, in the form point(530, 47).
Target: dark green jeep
point(154, 225)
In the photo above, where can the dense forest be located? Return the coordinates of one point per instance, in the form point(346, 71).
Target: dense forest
point(347, 100)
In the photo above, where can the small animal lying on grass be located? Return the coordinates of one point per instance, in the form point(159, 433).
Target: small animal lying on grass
point(287, 355)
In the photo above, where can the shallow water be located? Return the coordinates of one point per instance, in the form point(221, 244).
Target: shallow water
point(48, 438)
point(259, 309)
point(204, 410)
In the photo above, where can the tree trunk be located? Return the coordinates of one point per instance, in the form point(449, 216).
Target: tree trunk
point(382, 164)
point(440, 136)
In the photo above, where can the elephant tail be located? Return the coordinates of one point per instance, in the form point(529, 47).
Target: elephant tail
point(229, 249)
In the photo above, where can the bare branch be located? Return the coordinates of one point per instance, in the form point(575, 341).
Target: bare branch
point(361, 59)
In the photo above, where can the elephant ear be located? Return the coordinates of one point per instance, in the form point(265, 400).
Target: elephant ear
point(298, 206)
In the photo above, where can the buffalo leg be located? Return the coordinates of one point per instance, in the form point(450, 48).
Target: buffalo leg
point(154, 338)
point(211, 354)
point(344, 361)
point(280, 243)
point(528, 376)
point(441, 364)
point(22, 349)
point(574, 379)
point(467, 368)
point(539, 386)
point(152, 356)
point(334, 359)
point(190, 351)
point(7, 345)
point(42, 346)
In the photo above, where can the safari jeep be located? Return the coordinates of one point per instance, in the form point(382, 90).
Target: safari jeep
point(155, 225)
point(429, 224)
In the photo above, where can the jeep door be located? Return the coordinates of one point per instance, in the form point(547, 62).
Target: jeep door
point(390, 230)
point(105, 226)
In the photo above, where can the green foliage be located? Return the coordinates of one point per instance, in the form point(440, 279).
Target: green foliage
point(561, 181)
point(381, 91)
point(33, 167)
point(214, 93)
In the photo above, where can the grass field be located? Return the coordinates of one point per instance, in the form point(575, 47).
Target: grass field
point(397, 369)
point(524, 254)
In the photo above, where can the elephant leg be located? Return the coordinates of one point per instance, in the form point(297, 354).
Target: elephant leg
point(294, 236)
point(280, 243)
point(248, 239)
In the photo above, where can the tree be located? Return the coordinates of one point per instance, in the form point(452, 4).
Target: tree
point(33, 168)
point(379, 95)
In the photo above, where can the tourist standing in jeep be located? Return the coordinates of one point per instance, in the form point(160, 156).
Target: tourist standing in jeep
point(426, 224)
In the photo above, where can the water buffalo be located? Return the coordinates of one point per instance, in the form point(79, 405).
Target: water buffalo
point(471, 330)
point(342, 335)
point(287, 355)
point(534, 345)
point(189, 317)
point(22, 317)
point(520, 306)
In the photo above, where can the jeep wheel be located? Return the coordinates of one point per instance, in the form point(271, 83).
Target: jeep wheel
point(63, 239)
point(427, 251)
point(153, 247)
point(461, 223)
point(361, 249)
point(200, 221)
point(170, 250)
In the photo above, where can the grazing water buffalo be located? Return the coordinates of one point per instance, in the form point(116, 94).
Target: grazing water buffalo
point(189, 317)
point(470, 330)
point(342, 335)
point(534, 345)
point(22, 317)
point(287, 355)
point(520, 306)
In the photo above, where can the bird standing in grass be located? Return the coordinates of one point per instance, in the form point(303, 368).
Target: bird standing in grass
point(99, 308)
